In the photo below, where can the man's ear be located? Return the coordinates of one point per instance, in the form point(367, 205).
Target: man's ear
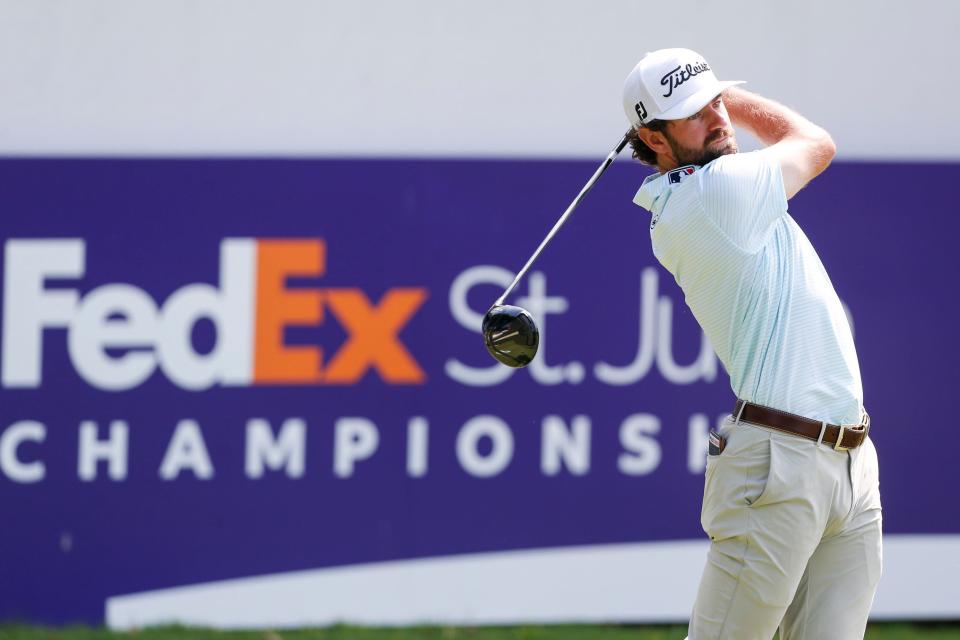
point(656, 140)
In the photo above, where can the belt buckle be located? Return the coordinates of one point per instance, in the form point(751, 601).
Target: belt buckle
point(838, 446)
point(863, 425)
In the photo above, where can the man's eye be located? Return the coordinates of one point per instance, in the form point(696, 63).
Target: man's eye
point(694, 116)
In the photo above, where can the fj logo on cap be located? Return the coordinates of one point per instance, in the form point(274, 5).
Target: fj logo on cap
point(641, 111)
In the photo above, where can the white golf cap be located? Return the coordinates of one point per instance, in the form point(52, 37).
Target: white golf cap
point(670, 84)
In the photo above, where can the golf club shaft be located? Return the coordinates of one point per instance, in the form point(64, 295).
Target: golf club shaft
point(566, 214)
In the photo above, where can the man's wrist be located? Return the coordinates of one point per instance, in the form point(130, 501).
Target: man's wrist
point(743, 107)
point(768, 120)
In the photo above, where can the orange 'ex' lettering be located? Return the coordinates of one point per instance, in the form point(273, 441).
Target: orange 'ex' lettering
point(372, 342)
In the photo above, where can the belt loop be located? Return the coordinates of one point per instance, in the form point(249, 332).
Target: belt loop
point(743, 405)
point(823, 430)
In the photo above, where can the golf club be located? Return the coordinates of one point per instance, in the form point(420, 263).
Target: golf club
point(509, 332)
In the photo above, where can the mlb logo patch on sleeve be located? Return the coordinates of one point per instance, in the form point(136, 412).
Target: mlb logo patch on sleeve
point(677, 175)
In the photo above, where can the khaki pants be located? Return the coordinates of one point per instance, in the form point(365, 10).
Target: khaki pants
point(795, 531)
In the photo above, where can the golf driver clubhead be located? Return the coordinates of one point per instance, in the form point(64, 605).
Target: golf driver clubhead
point(510, 335)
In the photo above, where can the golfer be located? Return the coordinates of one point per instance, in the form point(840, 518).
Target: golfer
point(791, 497)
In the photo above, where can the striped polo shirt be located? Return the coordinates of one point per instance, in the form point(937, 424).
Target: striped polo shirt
point(756, 285)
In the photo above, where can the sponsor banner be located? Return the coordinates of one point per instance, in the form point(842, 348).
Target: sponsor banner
point(218, 369)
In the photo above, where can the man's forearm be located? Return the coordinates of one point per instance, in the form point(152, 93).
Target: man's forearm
point(769, 121)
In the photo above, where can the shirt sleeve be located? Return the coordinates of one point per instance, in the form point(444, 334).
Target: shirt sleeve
point(743, 194)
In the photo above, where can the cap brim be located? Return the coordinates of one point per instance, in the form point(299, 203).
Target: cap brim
point(696, 101)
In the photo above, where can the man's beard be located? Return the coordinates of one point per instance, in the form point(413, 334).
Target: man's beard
point(708, 153)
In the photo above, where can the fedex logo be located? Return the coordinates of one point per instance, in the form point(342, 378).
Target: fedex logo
point(117, 335)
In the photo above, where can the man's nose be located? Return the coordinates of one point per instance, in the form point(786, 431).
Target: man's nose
point(717, 118)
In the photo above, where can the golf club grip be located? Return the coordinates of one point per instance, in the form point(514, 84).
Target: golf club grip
point(566, 214)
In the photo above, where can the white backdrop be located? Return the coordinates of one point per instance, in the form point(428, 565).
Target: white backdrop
point(451, 78)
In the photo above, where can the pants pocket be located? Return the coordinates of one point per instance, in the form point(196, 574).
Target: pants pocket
point(758, 488)
point(736, 480)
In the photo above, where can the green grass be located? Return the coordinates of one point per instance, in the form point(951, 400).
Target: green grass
point(558, 632)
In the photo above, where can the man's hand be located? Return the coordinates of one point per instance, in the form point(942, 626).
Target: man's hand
point(803, 149)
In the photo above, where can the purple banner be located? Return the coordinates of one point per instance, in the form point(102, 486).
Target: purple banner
point(225, 368)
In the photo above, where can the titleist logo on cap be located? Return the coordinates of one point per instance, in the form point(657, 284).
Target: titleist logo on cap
point(679, 74)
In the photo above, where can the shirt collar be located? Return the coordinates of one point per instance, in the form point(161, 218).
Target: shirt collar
point(656, 184)
point(652, 188)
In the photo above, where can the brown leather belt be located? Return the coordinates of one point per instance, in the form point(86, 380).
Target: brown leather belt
point(841, 437)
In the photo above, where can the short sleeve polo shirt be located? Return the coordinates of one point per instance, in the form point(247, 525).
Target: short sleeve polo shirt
point(756, 285)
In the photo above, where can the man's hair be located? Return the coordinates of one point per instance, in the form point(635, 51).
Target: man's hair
point(641, 151)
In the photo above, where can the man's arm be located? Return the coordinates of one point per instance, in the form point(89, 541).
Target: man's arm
point(803, 149)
